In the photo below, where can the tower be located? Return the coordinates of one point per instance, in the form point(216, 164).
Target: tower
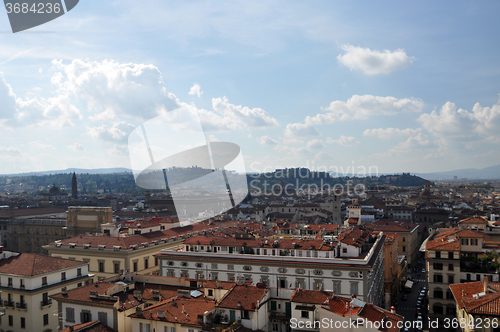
point(74, 188)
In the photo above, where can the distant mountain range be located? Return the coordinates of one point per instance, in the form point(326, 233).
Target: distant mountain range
point(77, 171)
point(488, 173)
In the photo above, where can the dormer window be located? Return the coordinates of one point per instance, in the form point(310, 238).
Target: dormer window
point(101, 246)
point(72, 245)
point(86, 246)
point(116, 248)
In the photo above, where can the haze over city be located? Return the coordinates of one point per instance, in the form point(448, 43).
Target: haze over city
point(404, 87)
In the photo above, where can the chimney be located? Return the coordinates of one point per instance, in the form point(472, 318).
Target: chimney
point(485, 282)
point(393, 310)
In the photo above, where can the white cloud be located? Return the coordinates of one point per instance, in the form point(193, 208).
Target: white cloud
point(373, 62)
point(413, 142)
point(116, 133)
point(9, 150)
point(315, 144)
point(266, 140)
point(386, 133)
point(77, 147)
point(362, 107)
point(454, 126)
point(127, 89)
point(40, 146)
point(196, 90)
point(343, 140)
point(300, 130)
point(227, 116)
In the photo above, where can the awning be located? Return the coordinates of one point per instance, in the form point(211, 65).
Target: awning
point(409, 284)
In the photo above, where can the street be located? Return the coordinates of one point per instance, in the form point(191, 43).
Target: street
point(408, 307)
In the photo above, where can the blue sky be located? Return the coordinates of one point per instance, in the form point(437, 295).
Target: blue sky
point(400, 86)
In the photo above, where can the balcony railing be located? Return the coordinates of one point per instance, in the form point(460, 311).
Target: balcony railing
point(22, 305)
point(44, 304)
point(23, 286)
point(9, 304)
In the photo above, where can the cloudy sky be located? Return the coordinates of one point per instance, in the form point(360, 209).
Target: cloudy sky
point(402, 86)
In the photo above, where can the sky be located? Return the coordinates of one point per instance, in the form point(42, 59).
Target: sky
point(385, 86)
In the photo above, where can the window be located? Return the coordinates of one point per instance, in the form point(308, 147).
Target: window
point(85, 316)
point(214, 265)
point(184, 264)
point(438, 266)
point(344, 250)
point(438, 254)
point(23, 322)
point(135, 266)
point(46, 319)
point(450, 254)
point(247, 268)
point(103, 317)
point(449, 295)
point(63, 276)
point(146, 263)
point(450, 267)
point(210, 292)
point(404, 239)
point(246, 314)
point(336, 287)
point(101, 266)
point(438, 278)
point(451, 280)
point(79, 272)
point(9, 282)
point(172, 329)
point(147, 327)
point(304, 314)
point(11, 320)
point(438, 294)
point(70, 315)
point(141, 328)
point(404, 248)
point(230, 267)
point(354, 288)
point(438, 309)
point(116, 267)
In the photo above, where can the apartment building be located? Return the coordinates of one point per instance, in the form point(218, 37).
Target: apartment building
point(27, 281)
point(109, 256)
point(478, 305)
point(351, 265)
point(451, 257)
point(409, 240)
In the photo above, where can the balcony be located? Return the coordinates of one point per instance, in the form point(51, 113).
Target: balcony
point(44, 304)
point(21, 305)
point(8, 304)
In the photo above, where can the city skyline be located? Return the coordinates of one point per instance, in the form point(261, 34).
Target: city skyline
point(404, 88)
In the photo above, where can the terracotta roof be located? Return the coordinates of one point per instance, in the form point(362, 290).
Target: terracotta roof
point(95, 326)
point(310, 296)
point(467, 296)
point(355, 236)
point(243, 298)
point(473, 220)
point(83, 294)
point(178, 310)
point(341, 306)
point(467, 233)
point(26, 264)
point(148, 237)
